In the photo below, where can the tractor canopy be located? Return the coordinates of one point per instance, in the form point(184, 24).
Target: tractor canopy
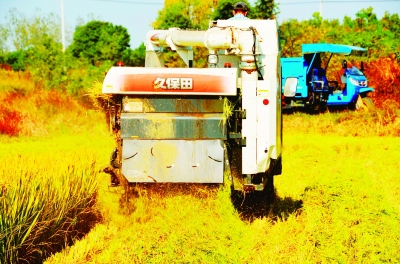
point(332, 48)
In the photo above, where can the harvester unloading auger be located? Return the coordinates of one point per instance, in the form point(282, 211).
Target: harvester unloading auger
point(201, 125)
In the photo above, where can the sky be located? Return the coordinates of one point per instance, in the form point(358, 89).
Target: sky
point(137, 15)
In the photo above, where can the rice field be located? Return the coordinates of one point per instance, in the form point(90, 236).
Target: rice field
point(336, 201)
point(48, 192)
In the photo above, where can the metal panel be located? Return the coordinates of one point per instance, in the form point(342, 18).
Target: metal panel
point(146, 104)
point(266, 123)
point(172, 126)
point(249, 125)
point(292, 67)
point(198, 161)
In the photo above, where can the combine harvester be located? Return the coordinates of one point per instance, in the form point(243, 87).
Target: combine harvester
point(201, 125)
point(306, 85)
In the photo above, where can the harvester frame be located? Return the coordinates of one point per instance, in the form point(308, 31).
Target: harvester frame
point(190, 125)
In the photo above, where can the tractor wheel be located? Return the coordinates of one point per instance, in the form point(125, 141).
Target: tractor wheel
point(359, 104)
point(368, 103)
point(322, 107)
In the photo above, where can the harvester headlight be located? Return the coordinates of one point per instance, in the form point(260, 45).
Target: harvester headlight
point(354, 82)
point(212, 59)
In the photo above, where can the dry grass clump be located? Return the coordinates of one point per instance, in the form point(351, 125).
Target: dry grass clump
point(16, 82)
point(31, 114)
point(96, 97)
point(26, 110)
point(380, 122)
point(384, 75)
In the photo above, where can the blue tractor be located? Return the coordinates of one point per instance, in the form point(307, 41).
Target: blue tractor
point(305, 82)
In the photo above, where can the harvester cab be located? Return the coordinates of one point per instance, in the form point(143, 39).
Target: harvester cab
point(305, 82)
point(200, 125)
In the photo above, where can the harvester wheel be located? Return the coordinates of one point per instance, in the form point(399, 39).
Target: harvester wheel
point(269, 189)
point(112, 121)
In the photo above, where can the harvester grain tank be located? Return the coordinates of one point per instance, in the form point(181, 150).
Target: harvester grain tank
point(201, 125)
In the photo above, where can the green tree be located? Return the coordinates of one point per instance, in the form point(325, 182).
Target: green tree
point(135, 57)
point(334, 31)
point(26, 32)
point(45, 62)
point(17, 59)
point(265, 9)
point(99, 41)
point(368, 32)
point(225, 7)
point(184, 14)
point(201, 13)
point(291, 33)
point(365, 31)
point(391, 23)
point(4, 33)
point(37, 45)
point(365, 17)
point(174, 16)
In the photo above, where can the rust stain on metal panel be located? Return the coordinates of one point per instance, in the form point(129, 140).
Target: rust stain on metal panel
point(160, 127)
point(195, 115)
point(166, 155)
point(199, 130)
point(145, 106)
point(185, 106)
point(165, 152)
point(215, 105)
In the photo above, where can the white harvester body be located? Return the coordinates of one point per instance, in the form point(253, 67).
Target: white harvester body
point(192, 124)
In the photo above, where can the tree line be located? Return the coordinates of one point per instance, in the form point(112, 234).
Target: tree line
point(97, 45)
